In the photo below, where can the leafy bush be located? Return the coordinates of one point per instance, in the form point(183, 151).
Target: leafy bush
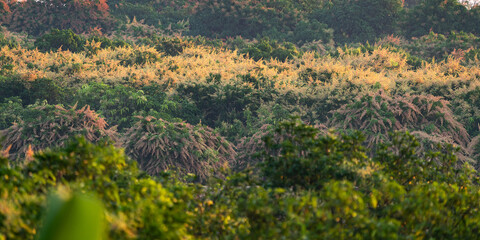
point(171, 46)
point(108, 43)
point(119, 104)
point(10, 111)
point(135, 205)
point(311, 30)
point(404, 160)
point(140, 57)
point(360, 21)
point(12, 87)
point(439, 16)
point(267, 49)
point(302, 158)
point(438, 46)
point(6, 41)
point(219, 103)
point(64, 39)
point(159, 145)
point(31, 91)
point(46, 89)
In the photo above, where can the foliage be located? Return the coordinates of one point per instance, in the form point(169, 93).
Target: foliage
point(159, 145)
point(372, 208)
point(37, 17)
point(171, 46)
point(32, 91)
point(279, 20)
point(77, 217)
point(378, 113)
point(52, 125)
point(408, 164)
point(226, 103)
point(140, 56)
point(106, 42)
point(119, 104)
point(11, 110)
point(360, 21)
point(258, 176)
point(302, 158)
point(140, 208)
point(266, 49)
point(439, 16)
point(135, 205)
point(438, 46)
point(56, 39)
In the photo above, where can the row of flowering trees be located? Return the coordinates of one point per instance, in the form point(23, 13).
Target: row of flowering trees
point(37, 17)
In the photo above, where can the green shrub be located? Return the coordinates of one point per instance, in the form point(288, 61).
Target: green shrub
point(13, 86)
point(403, 160)
point(135, 205)
point(266, 49)
point(119, 104)
point(108, 43)
point(360, 21)
point(40, 89)
point(311, 30)
point(171, 46)
point(140, 57)
point(64, 39)
point(438, 210)
point(10, 111)
point(219, 103)
point(302, 158)
point(46, 89)
point(9, 42)
point(439, 16)
point(440, 47)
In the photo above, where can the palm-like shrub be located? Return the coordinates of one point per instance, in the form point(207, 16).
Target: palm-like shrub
point(474, 151)
point(49, 126)
point(249, 146)
point(159, 145)
point(379, 113)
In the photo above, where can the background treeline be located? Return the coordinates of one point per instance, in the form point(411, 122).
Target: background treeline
point(299, 22)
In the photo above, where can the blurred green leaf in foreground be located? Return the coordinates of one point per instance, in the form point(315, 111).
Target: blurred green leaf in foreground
point(73, 216)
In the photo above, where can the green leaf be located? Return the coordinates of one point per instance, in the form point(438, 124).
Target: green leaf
point(79, 217)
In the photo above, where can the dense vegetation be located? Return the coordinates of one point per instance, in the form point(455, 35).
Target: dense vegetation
point(241, 119)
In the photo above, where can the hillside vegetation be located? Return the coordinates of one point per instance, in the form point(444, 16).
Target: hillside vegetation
point(239, 120)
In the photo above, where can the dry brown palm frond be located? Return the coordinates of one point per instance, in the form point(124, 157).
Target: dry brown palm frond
point(430, 142)
point(191, 149)
point(378, 112)
point(47, 129)
point(474, 143)
point(5, 152)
